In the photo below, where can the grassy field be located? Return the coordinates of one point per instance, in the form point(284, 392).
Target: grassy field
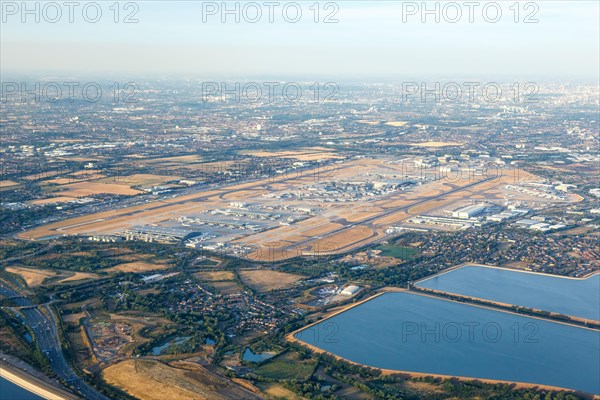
point(287, 366)
point(401, 252)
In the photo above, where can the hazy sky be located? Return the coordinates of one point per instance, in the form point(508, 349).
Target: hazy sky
point(370, 40)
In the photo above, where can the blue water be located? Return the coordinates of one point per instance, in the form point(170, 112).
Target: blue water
point(575, 297)
point(10, 391)
point(158, 350)
point(410, 332)
point(255, 357)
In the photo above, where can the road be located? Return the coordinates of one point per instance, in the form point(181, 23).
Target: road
point(46, 335)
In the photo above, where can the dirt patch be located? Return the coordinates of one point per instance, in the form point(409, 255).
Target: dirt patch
point(52, 200)
point(266, 280)
point(152, 380)
point(136, 266)
point(143, 179)
point(226, 287)
point(435, 144)
point(278, 391)
point(83, 189)
point(5, 184)
point(215, 276)
point(33, 277)
point(77, 276)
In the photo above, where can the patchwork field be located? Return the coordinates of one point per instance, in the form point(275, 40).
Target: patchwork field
point(267, 280)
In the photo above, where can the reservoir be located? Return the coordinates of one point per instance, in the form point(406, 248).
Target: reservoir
point(9, 390)
point(411, 332)
point(575, 297)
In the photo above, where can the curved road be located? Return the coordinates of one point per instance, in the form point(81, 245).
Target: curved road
point(46, 336)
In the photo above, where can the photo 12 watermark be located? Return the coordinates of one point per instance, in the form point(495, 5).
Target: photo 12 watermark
point(253, 12)
point(70, 91)
point(268, 92)
point(469, 92)
point(53, 12)
point(468, 332)
point(453, 12)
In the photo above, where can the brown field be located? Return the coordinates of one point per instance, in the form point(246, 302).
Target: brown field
point(153, 380)
point(435, 144)
point(143, 179)
point(266, 280)
point(58, 181)
point(89, 173)
point(226, 287)
point(77, 276)
point(83, 189)
point(278, 391)
point(33, 277)
point(51, 200)
point(72, 318)
point(215, 276)
point(360, 215)
point(301, 155)
point(322, 229)
point(347, 237)
point(77, 158)
point(46, 174)
point(137, 266)
point(396, 123)
point(6, 184)
point(189, 159)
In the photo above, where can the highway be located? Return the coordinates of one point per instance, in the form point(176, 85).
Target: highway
point(45, 333)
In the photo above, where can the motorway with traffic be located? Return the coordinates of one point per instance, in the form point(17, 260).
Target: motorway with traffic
point(45, 332)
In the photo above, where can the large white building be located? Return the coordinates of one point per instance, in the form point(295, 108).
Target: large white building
point(469, 211)
point(350, 290)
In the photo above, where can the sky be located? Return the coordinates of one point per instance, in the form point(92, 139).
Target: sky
point(367, 40)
